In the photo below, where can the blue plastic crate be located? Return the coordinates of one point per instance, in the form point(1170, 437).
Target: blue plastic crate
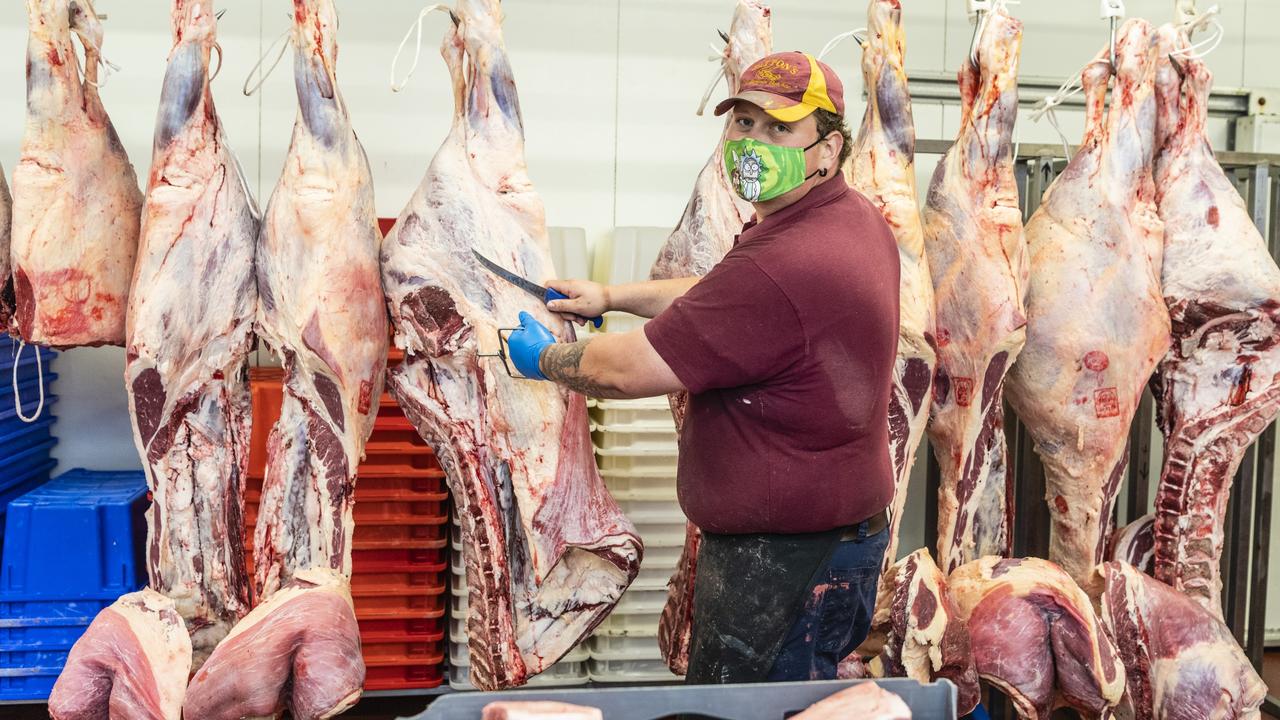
point(16, 485)
point(16, 469)
point(28, 390)
point(27, 683)
point(27, 659)
point(80, 535)
point(41, 637)
point(17, 436)
point(49, 616)
point(27, 369)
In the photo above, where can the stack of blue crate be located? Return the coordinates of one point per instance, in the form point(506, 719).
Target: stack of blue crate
point(72, 546)
point(25, 447)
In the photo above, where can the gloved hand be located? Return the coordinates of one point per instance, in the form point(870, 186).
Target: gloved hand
point(526, 344)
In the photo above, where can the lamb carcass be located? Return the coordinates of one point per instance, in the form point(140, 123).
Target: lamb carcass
point(712, 219)
point(882, 167)
point(1181, 661)
point(865, 701)
point(6, 228)
point(76, 201)
point(1036, 637)
point(320, 308)
point(547, 550)
point(190, 326)
point(1218, 385)
point(1097, 324)
point(978, 261)
point(131, 664)
point(922, 634)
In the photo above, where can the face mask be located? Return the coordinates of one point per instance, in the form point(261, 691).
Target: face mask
point(760, 171)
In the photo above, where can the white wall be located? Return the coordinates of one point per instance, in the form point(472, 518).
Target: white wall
point(608, 89)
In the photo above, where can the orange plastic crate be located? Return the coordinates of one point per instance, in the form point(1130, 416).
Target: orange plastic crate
point(394, 607)
point(402, 629)
point(376, 561)
point(402, 677)
point(403, 583)
point(384, 533)
point(388, 512)
point(391, 654)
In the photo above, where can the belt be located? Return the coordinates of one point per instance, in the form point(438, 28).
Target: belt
point(870, 526)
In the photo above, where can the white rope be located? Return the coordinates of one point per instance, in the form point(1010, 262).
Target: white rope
point(417, 52)
point(1202, 48)
point(721, 73)
point(17, 399)
point(282, 40)
point(833, 42)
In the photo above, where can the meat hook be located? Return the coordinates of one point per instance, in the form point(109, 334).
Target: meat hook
point(723, 35)
point(502, 354)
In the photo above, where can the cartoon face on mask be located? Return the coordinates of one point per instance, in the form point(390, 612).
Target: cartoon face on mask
point(760, 171)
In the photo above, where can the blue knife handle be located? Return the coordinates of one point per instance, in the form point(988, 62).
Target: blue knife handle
point(557, 295)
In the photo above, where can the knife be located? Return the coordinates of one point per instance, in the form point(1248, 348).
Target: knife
point(545, 294)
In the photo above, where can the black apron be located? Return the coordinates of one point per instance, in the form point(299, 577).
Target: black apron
point(748, 592)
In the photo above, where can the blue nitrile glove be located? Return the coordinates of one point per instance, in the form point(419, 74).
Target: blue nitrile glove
point(526, 344)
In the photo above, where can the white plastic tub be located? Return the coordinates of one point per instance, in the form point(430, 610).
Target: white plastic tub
point(624, 647)
point(629, 671)
point(634, 437)
point(656, 460)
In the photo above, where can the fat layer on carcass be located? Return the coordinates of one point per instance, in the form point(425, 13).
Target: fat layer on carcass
point(977, 258)
point(1097, 324)
point(920, 630)
point(320, 309)
point(189, 331)
point(547, 551)
point(881, 166)
point(712, 219)
point(6, 228)
point(76, 200)
point(1181, 661)
point(130, 664)
point(1218, 385)
point(1035, 636)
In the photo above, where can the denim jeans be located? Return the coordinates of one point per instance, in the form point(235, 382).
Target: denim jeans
point(837, 614)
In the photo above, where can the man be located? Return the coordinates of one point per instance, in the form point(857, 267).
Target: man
point(786, 348)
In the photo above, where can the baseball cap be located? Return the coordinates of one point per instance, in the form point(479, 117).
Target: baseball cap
point(789, 86)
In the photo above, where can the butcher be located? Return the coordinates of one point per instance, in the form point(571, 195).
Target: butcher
point(786, 349)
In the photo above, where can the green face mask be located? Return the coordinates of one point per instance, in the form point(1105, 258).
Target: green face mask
point(760, 171)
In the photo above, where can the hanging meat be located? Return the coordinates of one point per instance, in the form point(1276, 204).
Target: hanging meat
point(1097, 324)
point(320, 309)
point(711, 221)
point(1036, 637)
point(76, 202)
point(1135, 544)
point(882, 167)
point(6, 228)
point(923, 637)
point(188, 339)
point(131, 664)
point(973, 238)
point(547, 551)
point(1218, 386)
point(1181, 661)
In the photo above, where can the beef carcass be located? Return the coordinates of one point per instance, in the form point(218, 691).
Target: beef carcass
point(76, 202)
point(538, 710)
point(712, 219)
point(547, 551)
point(131, 664)
point(881, 166)
point(865, 701)
point(299, 649)
point(1181, 661)
point(923, 635)
point(977, 258)
point(189, 331)
point(320, 308)
point(1096, 321)
point(1035, 636)
point(1218, 386)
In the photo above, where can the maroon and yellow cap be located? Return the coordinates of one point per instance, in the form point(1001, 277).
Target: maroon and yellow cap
point(789, 86)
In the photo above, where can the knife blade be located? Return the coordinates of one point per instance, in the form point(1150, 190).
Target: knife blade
point(543, 293)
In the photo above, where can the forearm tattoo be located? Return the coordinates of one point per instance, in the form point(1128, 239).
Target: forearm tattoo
point(562, 363)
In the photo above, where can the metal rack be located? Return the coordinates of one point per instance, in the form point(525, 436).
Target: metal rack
point(1248, 522)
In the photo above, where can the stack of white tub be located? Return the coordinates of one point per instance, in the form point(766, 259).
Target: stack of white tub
point(635, 443)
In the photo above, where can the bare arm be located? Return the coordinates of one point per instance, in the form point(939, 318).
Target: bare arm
point(612, 366)
point(646, 299)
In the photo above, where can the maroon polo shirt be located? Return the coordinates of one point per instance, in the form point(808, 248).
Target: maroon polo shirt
point(787, 348)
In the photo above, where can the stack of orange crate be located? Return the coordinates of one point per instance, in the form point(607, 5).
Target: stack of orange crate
point(399, 562)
